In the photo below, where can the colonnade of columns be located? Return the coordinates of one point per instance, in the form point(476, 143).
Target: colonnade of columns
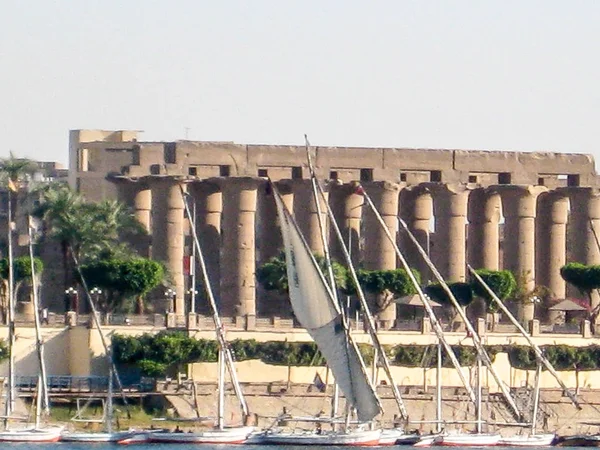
point(237, 226)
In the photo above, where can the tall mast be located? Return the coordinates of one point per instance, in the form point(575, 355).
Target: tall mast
point(536, 397)
point(435, 324)
point(479, 393)
point(220, 332)
point(438, 388)
point(10, 396)
point(336, 389)
point(43, 387)
point(363, 302)
point(221, 391)
point(473, 334)
point(538, 352)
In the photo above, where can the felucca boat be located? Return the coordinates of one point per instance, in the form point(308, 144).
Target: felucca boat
point(219, 434)
point(314, 306)
point(37, 432)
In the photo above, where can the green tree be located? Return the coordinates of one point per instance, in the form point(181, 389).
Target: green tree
point(461, 291)
point(22, 271)
point(586, 279)
point(272, 275)
point(501, 282)
point(125, 282)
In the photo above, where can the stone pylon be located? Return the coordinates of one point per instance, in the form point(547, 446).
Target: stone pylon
point(483, 241)
point(379, 253)
point(519, 208)
point(238, 281)
point(167, 233)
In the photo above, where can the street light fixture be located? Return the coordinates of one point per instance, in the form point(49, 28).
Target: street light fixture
point(71, 303)
point(170, 296)
point(534, 301)
point(193, 292)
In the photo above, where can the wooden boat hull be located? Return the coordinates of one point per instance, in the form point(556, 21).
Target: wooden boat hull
point(31, 435)
point(581, 440)
point(95, 437)
point(469, 440)
point(351, 439)
point(234, 435)
point(536, 440)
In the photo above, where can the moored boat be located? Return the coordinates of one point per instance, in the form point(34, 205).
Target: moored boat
point(50, 434)
point(531, 440)
point(469, 440)
point(397, 436)
point(353, 438)
point(227, 435)
point(76, 436)
point(579, 440)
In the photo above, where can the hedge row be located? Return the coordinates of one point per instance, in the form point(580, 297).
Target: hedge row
point(155, 354)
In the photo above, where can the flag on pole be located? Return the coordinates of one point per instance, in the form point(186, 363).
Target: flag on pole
point(11, 185)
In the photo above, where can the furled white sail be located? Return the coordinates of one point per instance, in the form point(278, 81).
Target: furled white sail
point(315, 309)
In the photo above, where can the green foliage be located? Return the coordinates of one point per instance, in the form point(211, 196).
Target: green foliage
point(394, 281)
point(501, 282)
point(122, 280)
point(585, 278)
point(461, 291)
point(3, 350)
point(160, 354)
point(273, 276)
point(562, 357)
point(21, 267)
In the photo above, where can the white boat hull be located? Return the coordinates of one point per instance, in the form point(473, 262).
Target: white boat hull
point(536, 440)
point(95, 437)
point(31, 435)
point(469, 440)
point(353, 438)
point(234, 435)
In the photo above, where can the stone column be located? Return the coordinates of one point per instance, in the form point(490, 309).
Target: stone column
point(136, 194)
point(347, 208)
point(270, 242)
point(416, 206)
point(305, 212)
point(379, 253)
point(519, 207)
point(483, 240)
point(209, 205)
point(551, 241)
point(167, 231)
point(584, 228)
point(238, 287)
point(450, 210)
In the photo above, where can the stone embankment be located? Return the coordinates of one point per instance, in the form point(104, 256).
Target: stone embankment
point(267, 400)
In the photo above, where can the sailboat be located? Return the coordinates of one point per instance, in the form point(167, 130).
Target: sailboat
point(220, 434)
point(315, 308)
point(108, 434)
point(37, 433)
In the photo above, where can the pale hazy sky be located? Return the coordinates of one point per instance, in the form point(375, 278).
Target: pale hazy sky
point(505, 75)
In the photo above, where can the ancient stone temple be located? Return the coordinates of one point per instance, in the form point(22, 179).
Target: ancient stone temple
point(526, 212)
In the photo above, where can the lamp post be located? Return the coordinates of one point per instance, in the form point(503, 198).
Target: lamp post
point(170, 296)
point(96, 292)
point(534, 301)
point(71, 300)
point(193, 292)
